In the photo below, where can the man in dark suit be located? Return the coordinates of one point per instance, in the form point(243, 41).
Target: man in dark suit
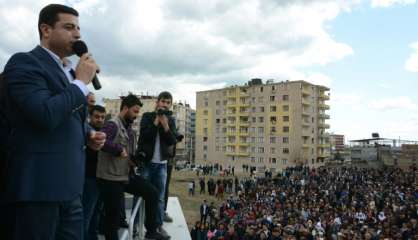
point(204, 211)
point(47, 112)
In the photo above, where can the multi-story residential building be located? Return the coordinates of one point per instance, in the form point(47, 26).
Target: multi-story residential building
point(185, 124)
point(273, 125)
point(181, 112)
point(337, 142)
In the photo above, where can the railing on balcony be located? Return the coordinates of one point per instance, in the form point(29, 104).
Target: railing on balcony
point(139, 210)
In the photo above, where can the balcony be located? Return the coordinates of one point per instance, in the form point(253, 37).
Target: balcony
point(306, 102)
point(306, 92)
point(323, 116)
point(231, 134)
point(244, 134)
point(324, 97)
point(244, 123)
point(306, 133)
point(323, 106)
point(242, 154)
point(323, 125)
point(306, 124)
point(324, 145)
point(324, 155)
point(306, 113)
point(306, 145)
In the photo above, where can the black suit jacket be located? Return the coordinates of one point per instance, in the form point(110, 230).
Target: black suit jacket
point(46, 155)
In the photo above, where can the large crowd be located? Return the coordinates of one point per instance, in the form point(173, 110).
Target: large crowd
point(303, 203)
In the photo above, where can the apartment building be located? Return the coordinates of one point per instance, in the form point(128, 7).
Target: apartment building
point(272, 125)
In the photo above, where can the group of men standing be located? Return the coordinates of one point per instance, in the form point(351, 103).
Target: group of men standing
point(58, 157)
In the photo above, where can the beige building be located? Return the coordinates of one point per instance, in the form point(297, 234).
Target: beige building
point(271, 125)
point(181, 112)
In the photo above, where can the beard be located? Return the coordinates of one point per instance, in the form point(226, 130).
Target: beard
point(129, 120)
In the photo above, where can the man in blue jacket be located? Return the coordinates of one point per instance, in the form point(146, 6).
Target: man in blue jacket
point(47, 112)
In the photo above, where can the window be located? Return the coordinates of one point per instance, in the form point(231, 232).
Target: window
point(253, 149)
point(254, 119)
point(260, 150)
point(223, 130)
point(206, 104)
point(272, 139)
point(273, 129)
point(253, 159)
point(261, 139)
point(261, 89)
point(205, 131)
point(273, 160)
point(285, 129)
point(205, 156)
point(285, 108)
point(218, 103)
point(286, 150)
point(224, 120)
point(205, 147)
point(205, 121)
point(253, 109)
point(272, 98)
point(218, 111)
point(260, 119)
point(285, 118)
point(205, 112)
point(284, 161)
point(260, 160)
point(272, 150)
point(218, 120)
point(260, 99)
point(224, 102)
point(273, 119)
point(272, 108)
point(273, 88)
point(252, 139)
point(205, 139)
point(224, 149)
point(260, 129)
point(285, 97)
point(217, 148)
point(285, 140)
point(261, 109)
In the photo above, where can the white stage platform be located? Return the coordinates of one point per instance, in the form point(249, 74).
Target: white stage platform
point(178, 229)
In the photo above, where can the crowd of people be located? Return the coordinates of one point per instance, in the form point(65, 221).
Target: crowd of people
point(303, 203)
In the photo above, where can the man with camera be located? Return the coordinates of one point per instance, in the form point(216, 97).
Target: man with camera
point(155, 148)
point(114, 168)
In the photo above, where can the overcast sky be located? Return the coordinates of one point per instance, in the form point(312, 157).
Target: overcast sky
point(365, 51)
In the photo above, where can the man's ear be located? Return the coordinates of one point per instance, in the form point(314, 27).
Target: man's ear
point(45, 30)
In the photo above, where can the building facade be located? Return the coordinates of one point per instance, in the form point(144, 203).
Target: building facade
point(271, 125)
point(182, 113)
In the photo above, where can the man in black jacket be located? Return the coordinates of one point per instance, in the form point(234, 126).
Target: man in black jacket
point(155, 147)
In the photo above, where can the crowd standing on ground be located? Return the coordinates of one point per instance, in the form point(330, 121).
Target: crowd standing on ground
point(303, 203)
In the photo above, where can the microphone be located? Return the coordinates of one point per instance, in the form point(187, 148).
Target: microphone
point(79, 48)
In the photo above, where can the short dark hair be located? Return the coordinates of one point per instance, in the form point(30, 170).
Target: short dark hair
point(165, 95)
point(49, 15)
point(130, 101)
point(97, 108)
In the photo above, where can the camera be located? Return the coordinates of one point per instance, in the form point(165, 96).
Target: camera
point(166, 112)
